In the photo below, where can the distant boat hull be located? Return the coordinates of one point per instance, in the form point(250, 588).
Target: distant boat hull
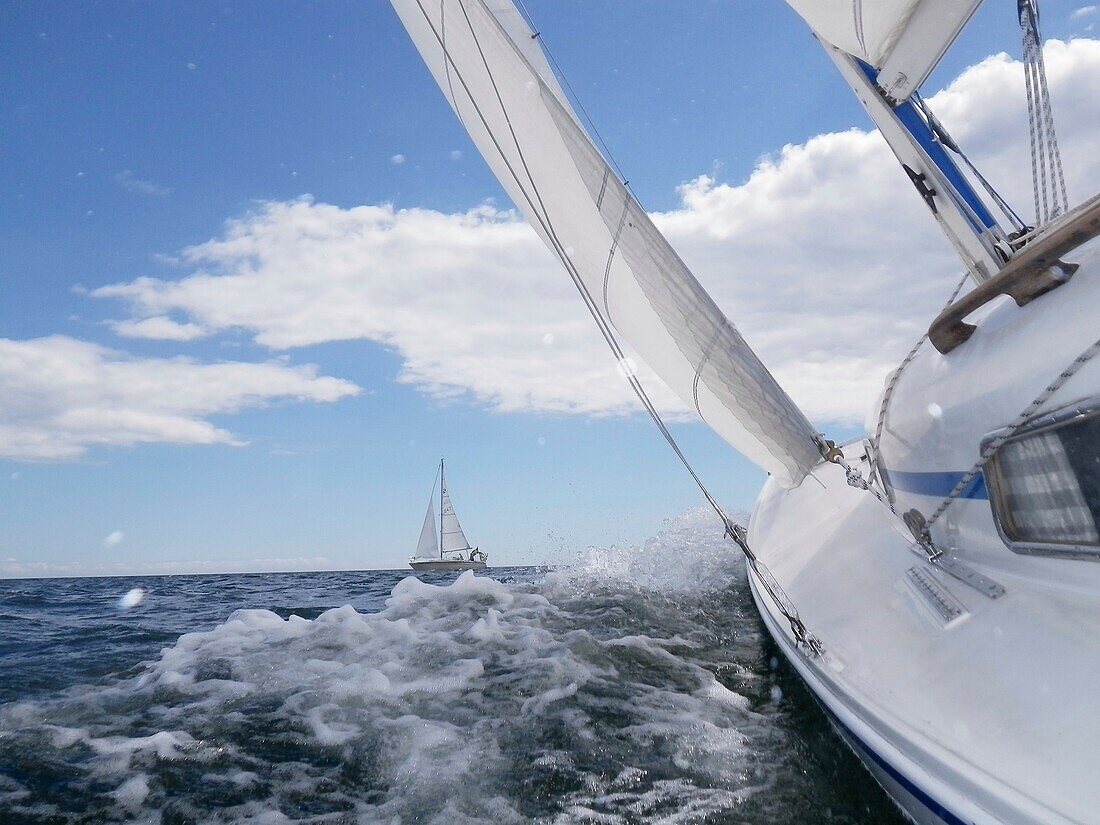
point(431, 565)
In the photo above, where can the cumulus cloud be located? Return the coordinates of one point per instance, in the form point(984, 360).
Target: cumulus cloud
point(824, 257)
point(62, 396)
point(159, 327)
point(467, 299)
point(128, 180)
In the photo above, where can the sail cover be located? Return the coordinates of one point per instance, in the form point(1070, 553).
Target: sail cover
point(453, 537)
point(428, 546)
point(493, 72)
point(903, 39)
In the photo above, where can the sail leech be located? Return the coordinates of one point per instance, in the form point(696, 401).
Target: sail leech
point(520, 120)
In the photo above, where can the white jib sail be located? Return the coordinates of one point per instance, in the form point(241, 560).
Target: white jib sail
point(903, 39)
point(453, 537)
point(493, 72)
point(428, 546)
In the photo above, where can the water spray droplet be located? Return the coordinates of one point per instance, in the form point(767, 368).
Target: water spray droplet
point(132, 599)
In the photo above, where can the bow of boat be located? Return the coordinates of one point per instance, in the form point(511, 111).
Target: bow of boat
point(966, 708)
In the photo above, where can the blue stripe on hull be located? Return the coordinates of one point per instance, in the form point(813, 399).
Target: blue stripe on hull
point(868, 753)
point(937, 484)
point(924, 799)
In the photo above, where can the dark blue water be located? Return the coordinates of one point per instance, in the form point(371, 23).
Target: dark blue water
point(637, 686)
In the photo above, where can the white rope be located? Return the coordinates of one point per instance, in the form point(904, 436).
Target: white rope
point(888, 394)
point(1048, 180)
point(1022, 419)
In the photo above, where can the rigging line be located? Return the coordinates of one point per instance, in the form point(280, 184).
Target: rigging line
point(1046, 159)
point(447, 68)
point(435, 483)
point(572, 92)
point(699, 370)
point(992, 447)
point(888, 393)
point(611, 254)
point(1048, 112)
point(949, 142)
point(734, 531)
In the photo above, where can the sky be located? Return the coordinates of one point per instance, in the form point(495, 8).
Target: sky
point(256, 280)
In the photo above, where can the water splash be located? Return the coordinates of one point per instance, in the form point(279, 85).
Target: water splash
point(629, 688)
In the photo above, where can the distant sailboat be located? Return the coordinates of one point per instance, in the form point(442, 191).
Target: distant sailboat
point(445, 548)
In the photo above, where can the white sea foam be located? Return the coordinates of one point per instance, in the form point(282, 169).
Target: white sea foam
point(589, 696)
point(689, 556)
point(131, 598)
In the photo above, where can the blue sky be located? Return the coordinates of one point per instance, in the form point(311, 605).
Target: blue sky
point(133, 132)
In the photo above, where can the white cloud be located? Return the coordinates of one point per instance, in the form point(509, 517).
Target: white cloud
point(114, 539)
point(159, 327)
point(467, 299)
point(824, 257)
point(1084, 11)
point(397, 160)
point(128, 180)
point(62, 396)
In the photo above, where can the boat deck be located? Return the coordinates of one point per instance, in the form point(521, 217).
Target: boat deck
point(984, 705)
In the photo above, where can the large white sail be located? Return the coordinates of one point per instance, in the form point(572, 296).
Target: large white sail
point(903, 39)
point(453, 537)
point(428, 546)
point(517, 116)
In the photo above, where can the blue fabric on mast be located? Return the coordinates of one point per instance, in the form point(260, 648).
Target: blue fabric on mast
point(911, 119)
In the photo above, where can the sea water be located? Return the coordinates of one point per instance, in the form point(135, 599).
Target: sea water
point(634, 685)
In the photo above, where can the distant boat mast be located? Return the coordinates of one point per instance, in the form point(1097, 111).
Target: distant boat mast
point(442, 487)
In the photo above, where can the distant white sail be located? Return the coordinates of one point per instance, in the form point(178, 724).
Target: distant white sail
point(489, 65)
point(428, 546)
point(453, 537)
point(903, 39)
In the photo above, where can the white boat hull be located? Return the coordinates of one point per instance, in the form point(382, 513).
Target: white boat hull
point(882, 763)
point(980, 720)
point(436, 565)
point(969, 703)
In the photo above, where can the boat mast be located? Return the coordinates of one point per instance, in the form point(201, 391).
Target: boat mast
point(442, 488)
point(966, 221)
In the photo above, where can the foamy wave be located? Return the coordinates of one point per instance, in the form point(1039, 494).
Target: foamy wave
point(472, 702)
point(690, 556)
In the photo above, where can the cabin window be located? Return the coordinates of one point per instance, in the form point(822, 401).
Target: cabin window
point(1044, 484)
